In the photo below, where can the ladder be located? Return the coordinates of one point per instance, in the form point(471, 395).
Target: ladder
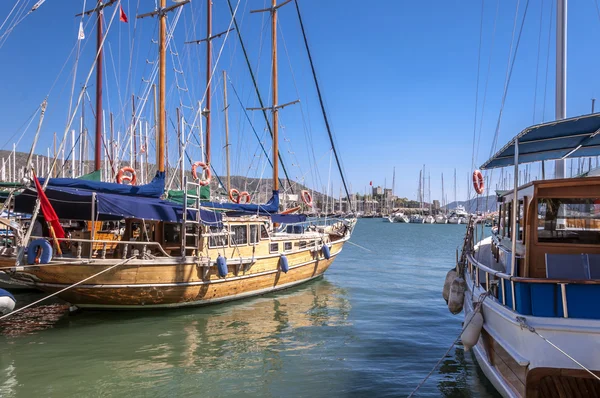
point(190, 227)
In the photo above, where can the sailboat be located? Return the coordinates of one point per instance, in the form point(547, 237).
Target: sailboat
point(531, 289)
point(417, 218)
point(167, 254)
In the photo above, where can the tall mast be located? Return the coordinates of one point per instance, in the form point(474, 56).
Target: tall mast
point(162, 86)
point(393, 181)
point(561, 74)
point(226, 110)
point(454, 187)
point(275, 96)
point(208, 75)
point(99, 35)
point(443, 204)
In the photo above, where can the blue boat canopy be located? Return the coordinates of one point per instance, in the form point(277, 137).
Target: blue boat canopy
point(74, 204)
point(271, 207)
point(154, 189)
point(569, 138)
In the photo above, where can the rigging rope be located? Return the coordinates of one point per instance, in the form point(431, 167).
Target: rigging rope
point(312, 67)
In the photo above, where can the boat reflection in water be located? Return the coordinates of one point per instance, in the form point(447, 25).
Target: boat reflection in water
point(150, 349)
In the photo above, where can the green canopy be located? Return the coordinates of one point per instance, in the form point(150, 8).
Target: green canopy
point(177, 195)
point(93, 176)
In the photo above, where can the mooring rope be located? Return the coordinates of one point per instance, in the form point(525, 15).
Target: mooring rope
point(477, 306)
point(68, 287)
point(524, 325)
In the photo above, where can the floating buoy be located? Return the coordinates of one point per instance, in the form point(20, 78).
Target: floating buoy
point(222, 266)
point(46, 255)
point(7, 302)
point(470, 335)
point(450, 277)
point(326, 252)
point(283, 264)
point(456, 299)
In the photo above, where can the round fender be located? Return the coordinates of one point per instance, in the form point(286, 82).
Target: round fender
point(121, 177)
point(326, 252)
point(283, 264)
point(46, 251)
point(222, 266)
point(306, 198)
point(207, 173)
point(478, 182)
point(7, 302)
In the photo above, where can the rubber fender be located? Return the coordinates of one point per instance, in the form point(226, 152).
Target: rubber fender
point(222, 266)
point(7, 302)
point(470, 336)
point(46, 251)
point(450, 276)
point(456, 299)
point(326, 252)
point(283, 264)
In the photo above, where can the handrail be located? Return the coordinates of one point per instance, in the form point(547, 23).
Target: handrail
point(117, 242)
point(503, 275)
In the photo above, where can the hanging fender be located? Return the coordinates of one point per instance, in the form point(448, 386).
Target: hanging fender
point(46, 255)
point(478, 182)
point(326, 252)
point(206, 170)
point(222, 266)
point(283, 264)
point(121, 177)
point(306, 198)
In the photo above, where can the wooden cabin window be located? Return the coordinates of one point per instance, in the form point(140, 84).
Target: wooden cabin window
point(520, 221)
point(239, 235)
point(287, 246)
point(572, 220)
point(264, 234)
point(218, 237)
point(253, 233)
point(302, 244)
point(172, 233)
point(274, 247)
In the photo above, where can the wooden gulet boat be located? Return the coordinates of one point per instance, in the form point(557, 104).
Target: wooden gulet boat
point(171, 255)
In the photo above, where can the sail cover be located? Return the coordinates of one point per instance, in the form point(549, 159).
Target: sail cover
point(154, 189)
point(74, 204)
point(271, 207)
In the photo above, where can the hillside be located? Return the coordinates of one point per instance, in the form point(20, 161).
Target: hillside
point(484, 203)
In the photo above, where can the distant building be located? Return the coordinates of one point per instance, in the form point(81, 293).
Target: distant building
point(377, 191)
point(387, 192)
point(436, 204)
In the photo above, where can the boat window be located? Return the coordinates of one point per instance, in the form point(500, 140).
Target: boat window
point(302, 244)
point(239, 235)
point(172, 233)
point(218, 237)
point(569, 220)
point(274, 247)
point(263, 232)
point(287, 246)
point(253, 233)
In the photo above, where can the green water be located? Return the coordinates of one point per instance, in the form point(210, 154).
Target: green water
point(373, 326)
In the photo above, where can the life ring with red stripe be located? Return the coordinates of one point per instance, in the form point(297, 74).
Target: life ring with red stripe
point(478, 182)
point(123, 178)
point(244, 195)
point(206, 170)
point(234, 195)
point(306, 198)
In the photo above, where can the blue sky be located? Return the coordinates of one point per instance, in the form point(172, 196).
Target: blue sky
point(399, 80)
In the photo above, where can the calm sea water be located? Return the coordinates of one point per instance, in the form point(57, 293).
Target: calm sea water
point(373, 326)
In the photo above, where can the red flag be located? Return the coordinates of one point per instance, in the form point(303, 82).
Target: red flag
point(371, 183)
point(48, 210)
point(122, 15)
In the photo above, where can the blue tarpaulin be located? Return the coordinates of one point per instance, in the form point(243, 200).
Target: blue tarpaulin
point(288, 218)
point(569, 138)
point(271, 207)
point(154, 189)
point(76, 204)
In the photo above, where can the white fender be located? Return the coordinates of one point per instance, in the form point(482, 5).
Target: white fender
point(7, 305)
point(457, 295)
point(470, 335)
point(450, 276)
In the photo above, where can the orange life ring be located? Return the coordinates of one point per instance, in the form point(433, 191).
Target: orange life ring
point(234, 195)
point(207, 172)
point(478, 182)
point(121, 177)
point(306, 198)
point(244, 195)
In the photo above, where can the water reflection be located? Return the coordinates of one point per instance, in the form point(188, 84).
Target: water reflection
point(128, 351)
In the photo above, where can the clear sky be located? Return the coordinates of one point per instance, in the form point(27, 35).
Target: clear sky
point(399, 80)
